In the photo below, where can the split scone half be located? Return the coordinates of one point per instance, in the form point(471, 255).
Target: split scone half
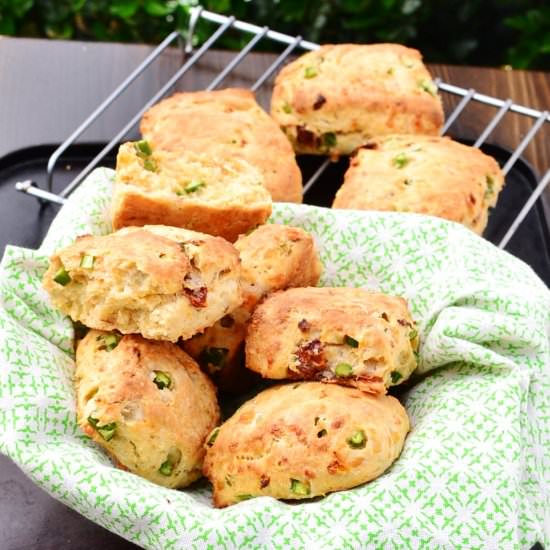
point(273, 257)
point(304, 440)
point(161, 282)
point(424, 174)
point(222, 197)
point(347, 336)
point(334, 99)
point(226, 124)
point(147, 403)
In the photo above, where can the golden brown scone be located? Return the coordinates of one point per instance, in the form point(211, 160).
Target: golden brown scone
point(346, 336)
point(186, 189)
point(226, 124)
point(147, 403)
point(429, 175)
point(334, 99)
point(161, 282)
point(273, 257)
point(304, 440)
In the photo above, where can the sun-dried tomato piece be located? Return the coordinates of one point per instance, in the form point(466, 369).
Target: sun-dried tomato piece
point(370, 145)
point(197, 296)
point(319, 102)
point(306, 137)
point(311, 358)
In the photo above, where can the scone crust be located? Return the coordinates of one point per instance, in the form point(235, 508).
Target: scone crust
point(305, 333)
point(301, 432)
point(151, 423)
point(161, 282)
point(273, 257)
point(424, 174)
point(226, 123)
point(236, 200)
point(356, 92)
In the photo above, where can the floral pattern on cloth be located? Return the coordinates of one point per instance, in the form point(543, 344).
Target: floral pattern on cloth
point(475, 470)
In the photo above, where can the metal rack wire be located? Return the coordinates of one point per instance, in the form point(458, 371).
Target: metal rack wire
point(292, 43)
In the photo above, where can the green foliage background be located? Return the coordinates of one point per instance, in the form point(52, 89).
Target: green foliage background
point(476, 32)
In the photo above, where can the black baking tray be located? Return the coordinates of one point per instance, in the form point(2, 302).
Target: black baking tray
point(24, 221)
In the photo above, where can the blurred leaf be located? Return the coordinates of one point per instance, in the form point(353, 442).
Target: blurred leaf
point(293, 10)
point(124, 8)
point(54, 13)
point(7, 25)
point(397, 34)
point(410, 6)
point(466, 11)
point(99, 30)
point(450, 31)
point(186, 4)
point(533, 41)
point(521, 57)
point(29, 28)
point(359, 6)
point(62, 30)
point(462, 48)
point(517, 22)
point(21, 7)
point(158, 8)
point(221, 6)
point(360, 23)
point(534, 17)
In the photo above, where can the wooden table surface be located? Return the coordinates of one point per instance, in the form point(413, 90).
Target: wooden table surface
point(47, 88)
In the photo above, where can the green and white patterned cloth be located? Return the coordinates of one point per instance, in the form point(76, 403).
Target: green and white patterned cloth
point(475, 471)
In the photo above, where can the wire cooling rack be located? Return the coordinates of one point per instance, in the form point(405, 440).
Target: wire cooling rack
point(503, 107)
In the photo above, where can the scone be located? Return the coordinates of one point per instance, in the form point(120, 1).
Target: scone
point(222, 197)
point(346, 336)
point(147, 403)
point(162, 282)
point(219, 350)
point(273, 257)
point(304, 440)
point(334, 99)
point(429, 175)
point(226, 124)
